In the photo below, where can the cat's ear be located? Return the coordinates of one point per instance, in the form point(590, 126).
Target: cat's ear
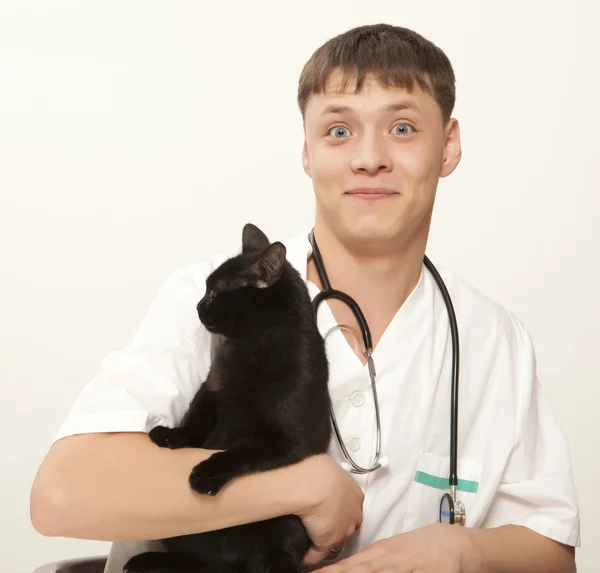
point(269, 266)
point(253, 239)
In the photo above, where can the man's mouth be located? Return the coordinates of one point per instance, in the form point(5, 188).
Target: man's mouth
point(371, 193)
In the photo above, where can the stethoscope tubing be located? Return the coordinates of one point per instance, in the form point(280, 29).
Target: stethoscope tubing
point(328, 292)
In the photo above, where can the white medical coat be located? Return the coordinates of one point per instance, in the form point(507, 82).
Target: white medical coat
point(513, 466)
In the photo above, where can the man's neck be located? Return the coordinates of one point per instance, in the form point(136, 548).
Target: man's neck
point(378, 277)
point(372, 269)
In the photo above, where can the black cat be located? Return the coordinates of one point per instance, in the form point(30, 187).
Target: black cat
point(265, 402)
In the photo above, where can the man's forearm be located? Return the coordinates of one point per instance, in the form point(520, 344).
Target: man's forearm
point(516, 549)
point(121, 487)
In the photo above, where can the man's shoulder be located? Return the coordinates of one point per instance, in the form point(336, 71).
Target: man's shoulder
point(480, 313)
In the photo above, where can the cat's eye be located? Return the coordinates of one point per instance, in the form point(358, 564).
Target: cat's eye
point(209, 295)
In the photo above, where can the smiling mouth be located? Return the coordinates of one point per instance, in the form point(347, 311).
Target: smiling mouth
point(371, 193)
point(372, 196)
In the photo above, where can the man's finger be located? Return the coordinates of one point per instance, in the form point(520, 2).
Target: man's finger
point(315, 555)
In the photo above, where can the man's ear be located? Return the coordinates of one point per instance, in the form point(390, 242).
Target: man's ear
point(305, 161)
point(452, 148)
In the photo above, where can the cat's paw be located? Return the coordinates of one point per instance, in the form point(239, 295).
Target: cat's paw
point(172, 438)
point(209, 476)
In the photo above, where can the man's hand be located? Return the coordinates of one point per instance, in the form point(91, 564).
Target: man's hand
point(437, 548)
point(331, 503)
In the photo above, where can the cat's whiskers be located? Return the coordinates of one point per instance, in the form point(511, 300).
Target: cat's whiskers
point(200, 328)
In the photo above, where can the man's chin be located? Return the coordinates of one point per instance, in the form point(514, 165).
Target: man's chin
point(370, 233)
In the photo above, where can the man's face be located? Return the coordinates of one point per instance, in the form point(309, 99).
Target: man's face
point(375, 158)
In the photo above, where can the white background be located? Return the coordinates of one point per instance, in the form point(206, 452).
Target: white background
point(139, 136)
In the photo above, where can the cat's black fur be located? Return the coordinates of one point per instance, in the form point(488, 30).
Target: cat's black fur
point(265, 402)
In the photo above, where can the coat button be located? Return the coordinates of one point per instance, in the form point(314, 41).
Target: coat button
point(357, 399)
point(354, 444)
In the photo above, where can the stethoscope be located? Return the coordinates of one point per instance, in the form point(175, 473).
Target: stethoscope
point(451, 510)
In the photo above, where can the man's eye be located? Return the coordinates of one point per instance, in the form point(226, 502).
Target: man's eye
point(405, 129)
point(338, 132)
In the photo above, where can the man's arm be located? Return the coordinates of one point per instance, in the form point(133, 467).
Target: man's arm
point(441, 548)
point(122, 487)
point(516, 549)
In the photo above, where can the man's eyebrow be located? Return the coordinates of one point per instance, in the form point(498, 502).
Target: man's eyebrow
point(390, 108)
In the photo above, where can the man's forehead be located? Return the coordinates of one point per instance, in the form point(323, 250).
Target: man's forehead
point(338, 80)
point(395, 99)
point(340, 96)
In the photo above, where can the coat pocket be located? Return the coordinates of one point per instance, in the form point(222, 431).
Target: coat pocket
point(430, 483)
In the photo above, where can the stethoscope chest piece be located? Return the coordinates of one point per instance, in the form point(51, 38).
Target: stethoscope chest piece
point(450, 512)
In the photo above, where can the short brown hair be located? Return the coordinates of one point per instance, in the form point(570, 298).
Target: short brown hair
point(397, 56)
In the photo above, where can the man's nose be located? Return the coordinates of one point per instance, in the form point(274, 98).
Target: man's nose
point(372, 156)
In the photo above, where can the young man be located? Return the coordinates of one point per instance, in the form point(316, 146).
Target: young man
point(376, 146)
